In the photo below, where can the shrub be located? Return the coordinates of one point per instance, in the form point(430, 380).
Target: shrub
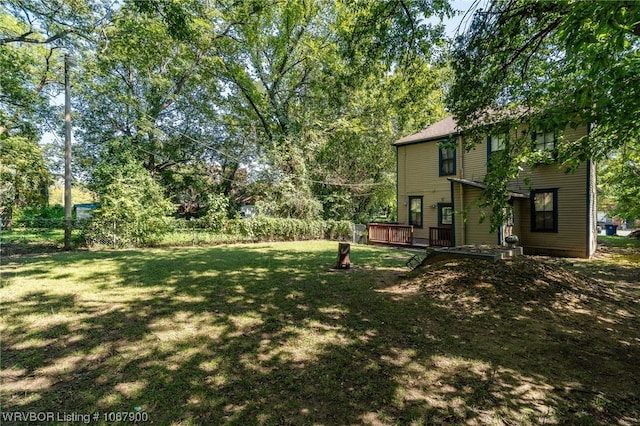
point(338, 230)
point(40, 217)
point(41, 212)
point(196, 231)
point(217, 211)
point(262, 228)
point(132, 207)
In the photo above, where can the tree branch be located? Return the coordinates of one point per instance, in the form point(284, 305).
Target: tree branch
point(411, 22)
point(182, 81)
point(536, 39)
point(249, 98)
point(25, 38)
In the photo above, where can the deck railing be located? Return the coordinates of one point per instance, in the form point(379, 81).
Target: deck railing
point(440, 237)
point(387, 233)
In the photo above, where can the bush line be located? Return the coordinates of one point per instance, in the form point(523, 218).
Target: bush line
point(263, 228)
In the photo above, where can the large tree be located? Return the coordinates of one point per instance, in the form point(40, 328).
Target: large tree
point(354, 165)
point(27, 70)
point(24, 179)
point(32, 35)
point(26, 73)
point(555, 64)
point(159, 94)
point(298, 86)
point(619, 183)
point(312, 75)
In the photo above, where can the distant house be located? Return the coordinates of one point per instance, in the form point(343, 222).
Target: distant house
point(84, 211)
point(552, 212)
point(248, 211)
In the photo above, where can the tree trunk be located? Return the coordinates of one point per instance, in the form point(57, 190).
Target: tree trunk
point(344, 250)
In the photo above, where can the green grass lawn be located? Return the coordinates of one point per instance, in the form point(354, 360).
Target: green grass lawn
point(270, 334)
point(28, 240)
point(618, 241)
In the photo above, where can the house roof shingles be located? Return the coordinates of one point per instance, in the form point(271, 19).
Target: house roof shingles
point(438, 130)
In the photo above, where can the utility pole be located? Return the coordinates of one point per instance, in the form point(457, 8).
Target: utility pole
point(67, 155)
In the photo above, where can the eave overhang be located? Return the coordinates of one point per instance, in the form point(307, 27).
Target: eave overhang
point(480, 185)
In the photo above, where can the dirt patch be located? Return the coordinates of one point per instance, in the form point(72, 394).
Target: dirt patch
point(570, 324)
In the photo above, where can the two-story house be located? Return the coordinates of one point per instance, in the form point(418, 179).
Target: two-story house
point(553, 212)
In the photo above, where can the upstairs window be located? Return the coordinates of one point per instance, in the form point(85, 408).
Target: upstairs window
point(497, 143)
point(447, 162)
point(544, 141)
point(544, 210)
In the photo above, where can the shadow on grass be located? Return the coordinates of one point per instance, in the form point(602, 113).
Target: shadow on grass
point(268, 334)
point(34, 241)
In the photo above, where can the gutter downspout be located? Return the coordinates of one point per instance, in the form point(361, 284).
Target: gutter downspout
point(397, 184)
point(592, 206)
point(463, 222)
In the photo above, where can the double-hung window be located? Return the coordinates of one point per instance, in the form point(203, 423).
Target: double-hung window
point(447, 162)
point(495, 143)
point(544, 141)
point(544, 210)
point(415, 211)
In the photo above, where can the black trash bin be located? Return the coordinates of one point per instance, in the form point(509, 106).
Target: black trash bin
point(611, 229)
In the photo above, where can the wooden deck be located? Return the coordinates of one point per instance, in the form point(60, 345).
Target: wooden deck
point(389, 233)
point(403, 235)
